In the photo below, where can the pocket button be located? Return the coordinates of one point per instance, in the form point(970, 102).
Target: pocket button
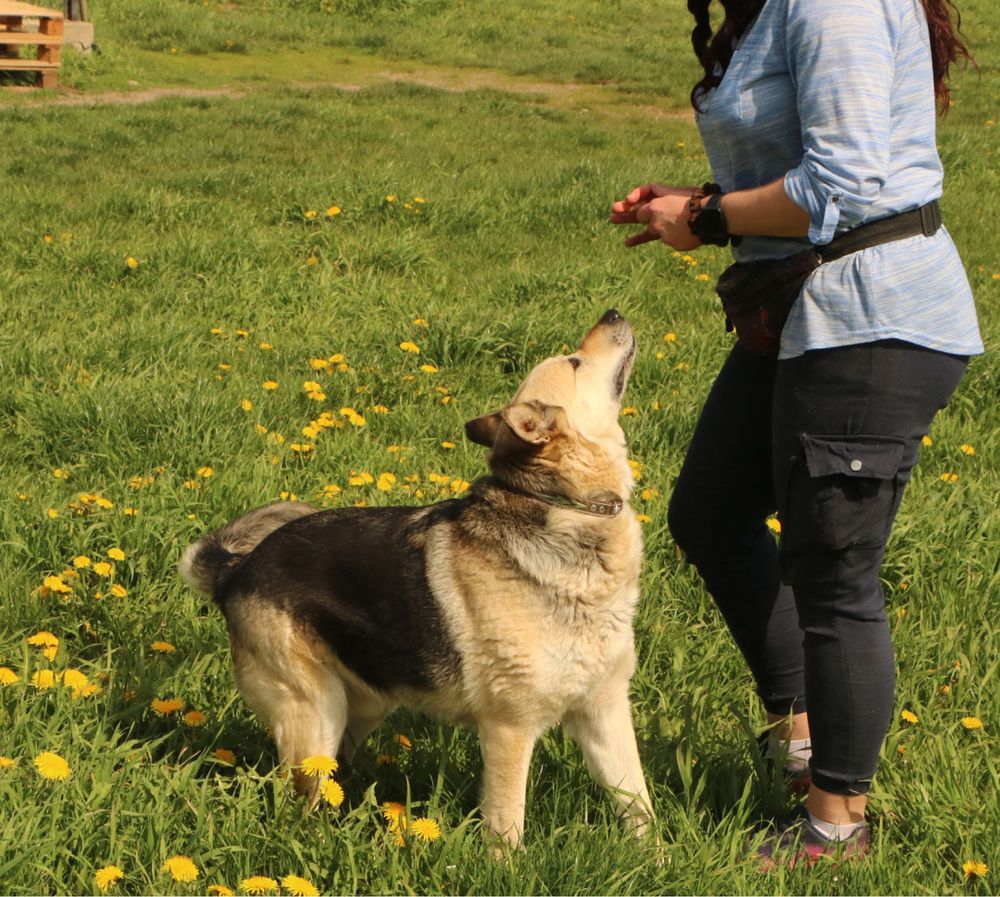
point(856, 464)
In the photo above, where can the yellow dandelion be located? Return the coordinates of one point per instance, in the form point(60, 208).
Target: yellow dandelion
point(910, 717)
point(404, 742)
point(643, 518)
point(44, 679)
point(429, 368)
point(225, 755)
point(163, 647)
point(629, 411)
point(166, 706)
point(967, 449)
point(75, 679)
point(43, 639)
point(205, 472)
point(425, 829)
point(394, 813)
point(132, 263)
point(333, 211)
point(266, 347)
point(360, 479)
point(56, 584)
point(972, 722)
point(386, 481)
point(703, 276)
point(8, 676)
point(270, 385)
point(926, 440)
point(81, 562)
point(975, 868)
point(130, 512)
point(194, 718)
point(106, 876)
point(331, 792)
point(773, 524)
point(181, 868)
point(410, 347)
point(258, 884)
point(7, 762)
point(948, 477)
point(103, 568)
point(318, 765)
point(246, 405)
point(118, 591)
point(299, 887)
point(312, 260)
point(220, 891)
point(310, 213)
point(116, 554)
point(52, 766)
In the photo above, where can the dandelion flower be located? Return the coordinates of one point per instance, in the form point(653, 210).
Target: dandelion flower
point(119, 591)
point(975, 868)
point(246, 405)
point(103, 568)
point(394, 813)
point(44, 679)
point(225, 755)
point(7, 762)
point(81, 562)
point(258, 884)
point(910, 717)
point(774, 525)
point(629, 411)
point(333, 211)
point(332, 792)
point(220, 891)
point(967, 449)
point(166, 706)
point(429, 368)
point(106, 876)
point(410, 347)
point(386, 481)
point(43, 639)
point(926, 440)
point(52, 766)
point(425, 829)
point(310, 213)
point(181, 868)
point(132, 263)
point(163, 647)
point(194, 718)
point(75, 679)
point(972, 722)
point(643, 518)
point(270, 385)
point(8, 676)
point(116, 554)
point(56, 584)
point(318, 765)
point(299, 887)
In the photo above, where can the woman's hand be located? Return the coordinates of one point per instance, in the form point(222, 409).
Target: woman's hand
point(664, 211)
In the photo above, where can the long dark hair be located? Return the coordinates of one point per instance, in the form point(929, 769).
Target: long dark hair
point(714, 51)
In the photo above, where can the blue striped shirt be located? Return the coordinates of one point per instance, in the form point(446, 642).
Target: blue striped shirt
point(837, 97)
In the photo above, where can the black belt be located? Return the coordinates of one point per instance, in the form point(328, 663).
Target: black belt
point(926, 220)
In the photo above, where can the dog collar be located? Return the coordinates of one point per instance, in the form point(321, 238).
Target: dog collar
point(594, 507)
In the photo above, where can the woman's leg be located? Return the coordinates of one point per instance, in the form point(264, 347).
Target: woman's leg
point(848, 424)
point(717, 515)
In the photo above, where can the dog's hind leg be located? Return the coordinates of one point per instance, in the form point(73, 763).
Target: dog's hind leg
point(298, 696)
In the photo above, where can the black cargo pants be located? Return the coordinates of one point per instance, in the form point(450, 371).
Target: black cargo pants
point(829, 440)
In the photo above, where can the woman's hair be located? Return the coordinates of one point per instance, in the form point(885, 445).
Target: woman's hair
point(714, 51)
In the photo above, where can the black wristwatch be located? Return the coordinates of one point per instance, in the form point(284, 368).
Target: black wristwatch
point(708, 223)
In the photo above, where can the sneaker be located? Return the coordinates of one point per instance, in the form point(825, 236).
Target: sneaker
point(798, 840)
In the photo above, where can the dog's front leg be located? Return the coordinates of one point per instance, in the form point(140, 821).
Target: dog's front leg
point(602, 726)
point(506, 751)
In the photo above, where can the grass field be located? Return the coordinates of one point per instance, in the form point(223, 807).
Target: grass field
point(234, 196)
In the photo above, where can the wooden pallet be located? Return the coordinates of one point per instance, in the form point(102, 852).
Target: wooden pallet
point(48, 39)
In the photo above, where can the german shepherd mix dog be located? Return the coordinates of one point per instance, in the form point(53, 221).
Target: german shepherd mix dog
point(509, 610)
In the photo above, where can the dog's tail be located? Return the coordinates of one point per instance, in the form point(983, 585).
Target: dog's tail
point(207, 563)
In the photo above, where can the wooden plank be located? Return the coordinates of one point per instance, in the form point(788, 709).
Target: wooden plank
point(11, 8)
point(27, 65)
point(48, 80)
point(9, 38)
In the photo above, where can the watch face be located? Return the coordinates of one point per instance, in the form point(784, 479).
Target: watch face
point(710, 225)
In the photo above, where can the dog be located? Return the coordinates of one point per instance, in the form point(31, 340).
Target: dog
point(510, 610)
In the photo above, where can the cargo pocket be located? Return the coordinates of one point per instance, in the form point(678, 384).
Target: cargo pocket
point(842, 493)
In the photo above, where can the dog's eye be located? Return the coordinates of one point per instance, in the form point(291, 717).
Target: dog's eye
point(573, 360)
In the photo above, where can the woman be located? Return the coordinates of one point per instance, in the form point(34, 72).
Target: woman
point(818, 117)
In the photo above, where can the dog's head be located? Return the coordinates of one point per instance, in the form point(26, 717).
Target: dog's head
point(560, 433)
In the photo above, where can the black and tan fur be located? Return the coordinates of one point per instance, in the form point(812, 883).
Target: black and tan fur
point(510, 610)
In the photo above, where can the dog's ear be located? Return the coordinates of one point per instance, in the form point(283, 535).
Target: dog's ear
point(533, 422)
point(483, 429)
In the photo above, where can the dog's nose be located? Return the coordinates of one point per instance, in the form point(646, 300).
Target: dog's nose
point(611, 316)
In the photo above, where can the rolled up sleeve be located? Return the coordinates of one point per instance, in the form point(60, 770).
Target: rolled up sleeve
point(840, 54)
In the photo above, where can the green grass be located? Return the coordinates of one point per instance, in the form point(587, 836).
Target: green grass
point(111, 375)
